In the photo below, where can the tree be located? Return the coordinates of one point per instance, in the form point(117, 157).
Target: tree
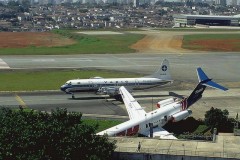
point(216, 118)
point(162, 12)
point(59, 135)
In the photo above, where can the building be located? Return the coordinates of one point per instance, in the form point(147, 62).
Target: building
point(136, 3)
point(191, 20)
point(234, 2)
point(221, 2)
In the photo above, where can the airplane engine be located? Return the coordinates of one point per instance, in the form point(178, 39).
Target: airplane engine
point(165, 102)
point(109, 90)
point(181, 115)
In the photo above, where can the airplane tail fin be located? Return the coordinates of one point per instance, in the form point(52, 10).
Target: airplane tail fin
point(163, 71)
point(204, 81)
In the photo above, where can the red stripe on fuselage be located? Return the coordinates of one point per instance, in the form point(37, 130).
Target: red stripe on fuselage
point(184, 104)
point(129, 132)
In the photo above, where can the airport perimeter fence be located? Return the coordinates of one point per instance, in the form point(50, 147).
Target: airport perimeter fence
point(165, 151)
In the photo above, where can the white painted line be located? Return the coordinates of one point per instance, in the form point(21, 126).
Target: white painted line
point(3, 65)
point(43, 60)
point(79, 59)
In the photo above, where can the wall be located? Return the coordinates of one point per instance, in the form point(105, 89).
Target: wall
point(145, 156)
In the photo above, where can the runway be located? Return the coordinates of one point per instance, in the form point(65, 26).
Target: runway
point(223, 66)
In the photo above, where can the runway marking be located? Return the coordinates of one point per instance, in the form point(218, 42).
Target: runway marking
point(79, 59)
point(143, 58)
point(3, 64)
point(43, 60)
point(20, 101)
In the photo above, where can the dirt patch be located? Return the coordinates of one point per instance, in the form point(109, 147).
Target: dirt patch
point(160, 42)
point(217, 45)
point(27, 39)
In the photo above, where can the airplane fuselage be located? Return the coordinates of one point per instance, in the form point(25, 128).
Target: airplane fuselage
point(86, 85)
point(158, 117)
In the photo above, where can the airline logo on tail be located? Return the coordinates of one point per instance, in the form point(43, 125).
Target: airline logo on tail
point(164, 68)
point(198, 91)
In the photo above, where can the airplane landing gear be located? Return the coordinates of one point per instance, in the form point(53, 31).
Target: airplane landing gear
point(118, 97)
point(73, 96)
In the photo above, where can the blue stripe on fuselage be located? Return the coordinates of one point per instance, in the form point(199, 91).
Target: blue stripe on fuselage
point(95, 87)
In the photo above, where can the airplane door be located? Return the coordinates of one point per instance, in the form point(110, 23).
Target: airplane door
point(116, 84)
point(136, 83)
point(91, 85)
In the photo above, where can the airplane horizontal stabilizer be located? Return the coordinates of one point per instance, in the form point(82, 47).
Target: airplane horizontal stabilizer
point(203, 78)
point(215, 85)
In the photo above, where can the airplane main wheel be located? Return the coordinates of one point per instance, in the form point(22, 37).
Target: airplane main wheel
point(118, 98)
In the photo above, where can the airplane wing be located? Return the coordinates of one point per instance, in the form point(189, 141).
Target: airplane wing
point(160, 133)
point(133, 108)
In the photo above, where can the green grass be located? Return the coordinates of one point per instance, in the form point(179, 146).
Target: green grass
point(201, 129)
point(85, 44)
point(30, 80)
point(103, 124)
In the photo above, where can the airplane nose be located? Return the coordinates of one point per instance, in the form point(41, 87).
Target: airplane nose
point(63, 88)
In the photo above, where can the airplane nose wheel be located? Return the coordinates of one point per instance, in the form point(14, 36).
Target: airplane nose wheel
point(73, 96)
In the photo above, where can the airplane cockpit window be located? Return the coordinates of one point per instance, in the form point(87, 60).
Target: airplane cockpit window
point(68, 83)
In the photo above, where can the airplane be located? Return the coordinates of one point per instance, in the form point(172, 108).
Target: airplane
point(111, 86)
point(168, 110)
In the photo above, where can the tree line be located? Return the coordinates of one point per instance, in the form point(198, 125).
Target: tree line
point(59, 135)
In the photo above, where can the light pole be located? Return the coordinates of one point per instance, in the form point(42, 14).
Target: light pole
point(183, 151)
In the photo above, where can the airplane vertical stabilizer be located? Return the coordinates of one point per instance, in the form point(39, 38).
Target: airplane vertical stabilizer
point(163, 71)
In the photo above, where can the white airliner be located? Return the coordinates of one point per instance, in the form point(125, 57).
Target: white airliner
point(111, 86)
point(169, 110)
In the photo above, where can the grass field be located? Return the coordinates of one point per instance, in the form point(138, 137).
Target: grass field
point(212, 42)
point(48, 79)
point(102, 124)
point(84, 44)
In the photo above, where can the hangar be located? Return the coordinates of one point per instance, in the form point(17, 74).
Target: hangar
point(183, 20)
